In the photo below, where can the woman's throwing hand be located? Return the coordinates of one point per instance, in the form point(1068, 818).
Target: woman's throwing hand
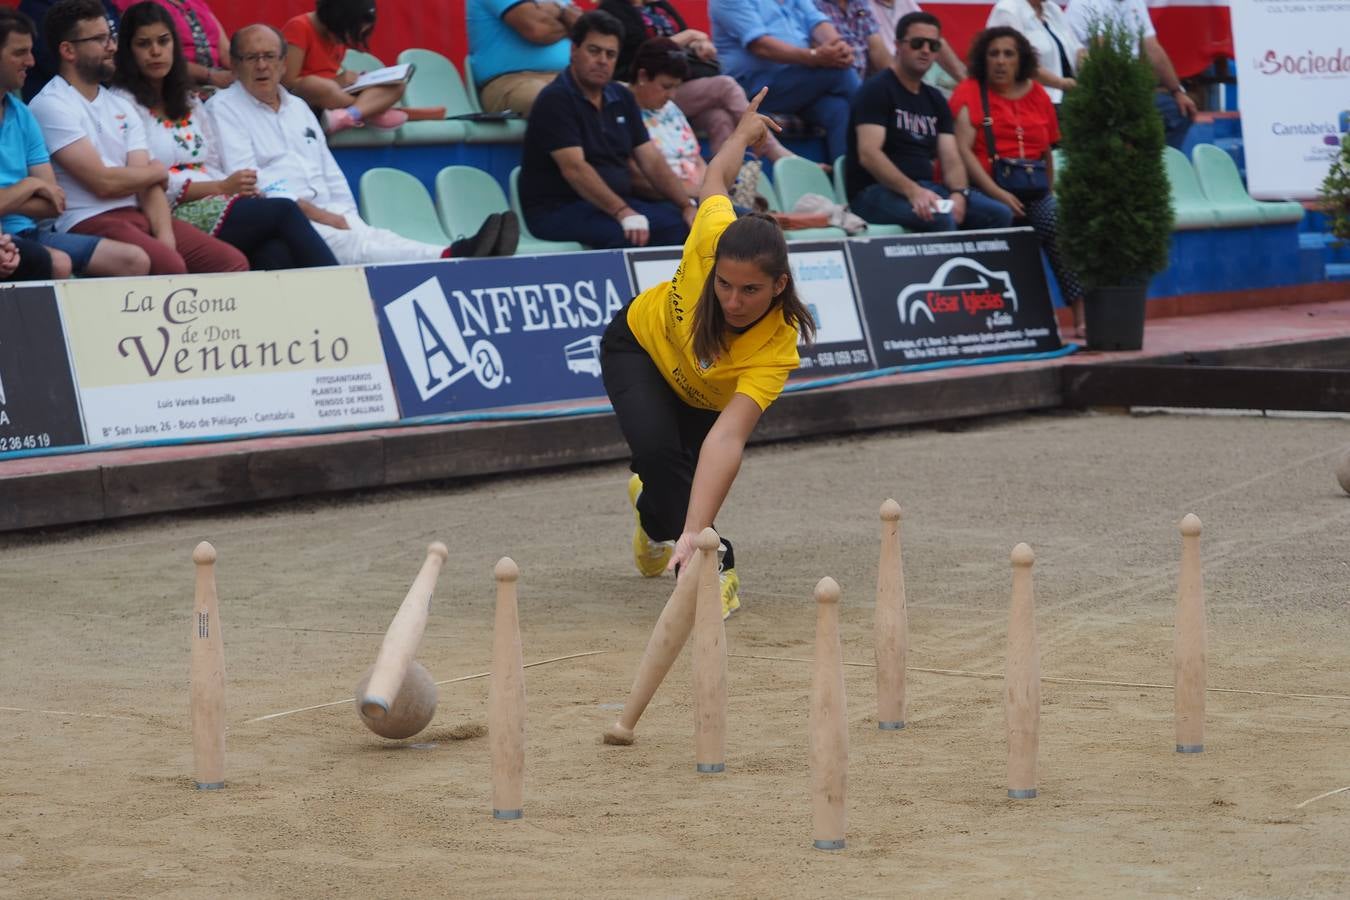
point(754, 127)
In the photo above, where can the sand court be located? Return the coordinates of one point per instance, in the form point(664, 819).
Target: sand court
point(96, 772)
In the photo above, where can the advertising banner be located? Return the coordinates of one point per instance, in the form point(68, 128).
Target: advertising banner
point(201, 356)
point(1293, 63)
point(497, 332)
point(958, 296)
point(38, 406)
point(820, 270)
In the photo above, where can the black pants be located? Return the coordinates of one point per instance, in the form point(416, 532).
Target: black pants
point(274, 234)
point(664, 433)
point(35, 263)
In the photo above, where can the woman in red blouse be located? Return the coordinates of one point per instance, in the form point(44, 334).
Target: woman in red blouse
point(1003, 65)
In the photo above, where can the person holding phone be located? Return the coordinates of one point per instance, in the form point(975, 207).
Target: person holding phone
point(899, 127)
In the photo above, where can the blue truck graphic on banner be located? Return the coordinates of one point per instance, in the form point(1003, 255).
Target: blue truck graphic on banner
point(485, 333)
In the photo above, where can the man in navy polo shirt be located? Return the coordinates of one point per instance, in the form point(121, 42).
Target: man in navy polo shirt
point(584, 130)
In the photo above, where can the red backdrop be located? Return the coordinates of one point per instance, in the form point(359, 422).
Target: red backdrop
point(1194, 35)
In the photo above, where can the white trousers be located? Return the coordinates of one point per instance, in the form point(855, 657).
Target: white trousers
point(362, 243)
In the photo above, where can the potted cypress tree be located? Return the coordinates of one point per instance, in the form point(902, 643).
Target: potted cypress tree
point(1336, 192)
point(1115, 206)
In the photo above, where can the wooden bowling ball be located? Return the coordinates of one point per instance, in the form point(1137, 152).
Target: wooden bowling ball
point(412, 708)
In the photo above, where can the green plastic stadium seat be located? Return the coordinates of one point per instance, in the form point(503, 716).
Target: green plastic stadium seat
point(794, 177)
point(510, 131)
point(1222, 184)
point(841, 196)
point(434, 83)
point(529, 244)
point(1189, 203)
point(465, 196)
point(770, 194)
point(393, 199)
point(369, 136)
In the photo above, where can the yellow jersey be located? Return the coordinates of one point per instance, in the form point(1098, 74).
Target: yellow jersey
point(756, 363)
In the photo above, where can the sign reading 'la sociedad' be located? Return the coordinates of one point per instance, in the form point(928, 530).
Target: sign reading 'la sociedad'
point(497, 332)
point(208, 356)
point(957, 297)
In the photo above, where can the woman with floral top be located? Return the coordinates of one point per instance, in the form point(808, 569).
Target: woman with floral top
point(198, 29)
point(713, 102)
point(152, 73)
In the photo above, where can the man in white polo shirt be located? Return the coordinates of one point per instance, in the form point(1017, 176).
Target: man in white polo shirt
point(263, 126)
point(113, 188)
point(1177, 109)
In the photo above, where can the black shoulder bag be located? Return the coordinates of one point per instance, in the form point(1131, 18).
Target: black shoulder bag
point(1025, 179)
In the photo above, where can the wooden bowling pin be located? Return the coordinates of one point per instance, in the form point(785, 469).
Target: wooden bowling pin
point(1188, 648)
point(403, 637)
point(828, 723)
point(1022, 683)
point(506, 699)
point(667, 640)
point(891, 625)
point(208, 676)
point(710, 662)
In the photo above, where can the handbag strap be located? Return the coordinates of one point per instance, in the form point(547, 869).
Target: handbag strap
point(989, 129)
point(988, 126)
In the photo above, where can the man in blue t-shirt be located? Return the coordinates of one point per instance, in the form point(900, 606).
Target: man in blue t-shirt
point(516, 47)
point(791, 48)
point(28, 188)
point(585, 130)
point(899, 126)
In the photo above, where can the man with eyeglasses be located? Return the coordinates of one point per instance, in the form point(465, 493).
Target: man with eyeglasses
point(575, 181)
point(899, 126)
point(113, 189)
point(44, 66)
point(264, 127)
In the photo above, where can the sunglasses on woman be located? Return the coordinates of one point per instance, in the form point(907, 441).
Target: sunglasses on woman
point(917, 43)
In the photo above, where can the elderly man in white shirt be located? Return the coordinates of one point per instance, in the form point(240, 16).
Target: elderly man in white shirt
point(1057, 47)
point(264, 127)
point(1176, 107)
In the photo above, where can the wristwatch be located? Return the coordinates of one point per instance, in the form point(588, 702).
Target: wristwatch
point(964, 192)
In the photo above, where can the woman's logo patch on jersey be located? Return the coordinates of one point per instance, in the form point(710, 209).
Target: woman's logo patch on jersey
point(706, 364)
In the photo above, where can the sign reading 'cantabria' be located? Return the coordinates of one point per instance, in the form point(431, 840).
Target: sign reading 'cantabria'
point(203, 356)
point(1293, 65)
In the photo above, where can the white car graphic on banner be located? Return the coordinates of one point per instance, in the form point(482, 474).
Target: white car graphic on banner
point(958, 274)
